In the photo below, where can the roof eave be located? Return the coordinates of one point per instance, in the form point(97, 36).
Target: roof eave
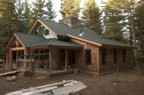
point(118, 46)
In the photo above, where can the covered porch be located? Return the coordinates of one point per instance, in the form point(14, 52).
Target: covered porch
point(56, 56)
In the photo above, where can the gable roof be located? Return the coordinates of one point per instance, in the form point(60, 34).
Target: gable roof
point(89, 35)
point(37, 40)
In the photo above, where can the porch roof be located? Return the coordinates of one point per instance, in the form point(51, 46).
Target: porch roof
point(37, 40)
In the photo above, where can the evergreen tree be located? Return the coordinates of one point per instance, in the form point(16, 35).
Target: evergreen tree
point(50, 12)
point(19, 10)
point(9, 21)
point(92, 16)
point(140, 23)
point(113, 27)
point(119, 19)
point(38, 9)
point(27, 16)
point(70, 8)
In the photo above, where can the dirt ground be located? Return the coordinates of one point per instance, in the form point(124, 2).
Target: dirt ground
point(129, 83)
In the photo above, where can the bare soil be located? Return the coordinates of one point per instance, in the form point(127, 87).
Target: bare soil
point(124, 83)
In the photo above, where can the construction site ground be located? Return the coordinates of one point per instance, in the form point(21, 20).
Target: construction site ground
point(121, 83)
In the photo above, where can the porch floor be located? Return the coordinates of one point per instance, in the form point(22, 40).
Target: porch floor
point(54, 72)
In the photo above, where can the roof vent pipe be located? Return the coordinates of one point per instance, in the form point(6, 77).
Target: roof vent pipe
point(81, 32)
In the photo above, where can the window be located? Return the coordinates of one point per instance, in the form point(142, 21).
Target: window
point(46, 32)
point(103, 56)
point(46, 54)
point(62, 54)
point(88, 56)
point(115, 56)
point(41, 30)
point(124, 56)
point(72, 57)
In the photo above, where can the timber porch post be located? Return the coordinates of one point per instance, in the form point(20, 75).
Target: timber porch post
point(25, 57)
point(10, 59)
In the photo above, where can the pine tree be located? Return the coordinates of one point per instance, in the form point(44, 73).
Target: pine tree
point(9, 21)
point(112, 18)
point(70, 8)
point(27, 16)
point(19, 12)
point(38, 9)
point(119, 19)
point(140, 24)
point(92, 16)
point(51, 14)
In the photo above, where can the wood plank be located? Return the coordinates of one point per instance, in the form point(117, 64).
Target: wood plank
point(9, 73)
point(18, 48)
point(81, 39)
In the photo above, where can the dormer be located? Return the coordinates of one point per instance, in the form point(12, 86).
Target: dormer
point(43, 31)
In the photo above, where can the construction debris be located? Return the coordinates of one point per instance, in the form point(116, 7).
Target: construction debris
point(61, 88)
point(11, 78)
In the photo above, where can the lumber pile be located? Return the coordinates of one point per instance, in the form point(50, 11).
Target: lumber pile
point(9, 73)
point(60, 88)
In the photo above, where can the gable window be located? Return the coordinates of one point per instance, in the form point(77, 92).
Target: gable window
point(46, 32)
point(62, 54)
point(103, 56)
point(124, 56)
point(88, 56)
point(115, 56)
point(41, 30)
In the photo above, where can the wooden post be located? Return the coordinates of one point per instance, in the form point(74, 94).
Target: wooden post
point(66, 59)
point(10, 59)
point(25, 53)
point(17, 60)
point(7, 59)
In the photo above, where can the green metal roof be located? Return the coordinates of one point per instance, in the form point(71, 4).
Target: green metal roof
point(37, 40)
point(62, 29)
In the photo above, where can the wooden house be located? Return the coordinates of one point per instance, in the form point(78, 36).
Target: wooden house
point(66, 46)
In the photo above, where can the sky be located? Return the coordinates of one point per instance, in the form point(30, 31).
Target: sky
point(57, 5)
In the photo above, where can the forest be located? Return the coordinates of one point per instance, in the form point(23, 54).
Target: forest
point(120, 20)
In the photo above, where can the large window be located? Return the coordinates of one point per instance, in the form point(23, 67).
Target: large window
point(114, 56)
point(124, 56)
point(103, 56)
point(72, 57)
point(62, 54)
point(88, 56)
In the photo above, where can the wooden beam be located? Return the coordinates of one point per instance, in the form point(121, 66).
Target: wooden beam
point(7, 58)
point(66, 59)
point(9, 73)
point(84, 40)
point(25, 53)
point(17, 48)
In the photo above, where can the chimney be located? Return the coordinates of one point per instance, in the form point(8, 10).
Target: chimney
point(71, 22)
